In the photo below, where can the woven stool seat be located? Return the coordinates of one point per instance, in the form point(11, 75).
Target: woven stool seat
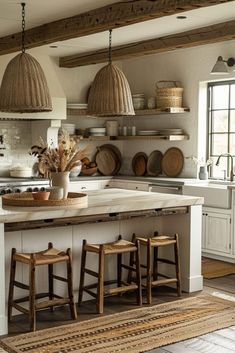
point(153, 276)
point(159, 240)
point(117, 248)
point(47, 257)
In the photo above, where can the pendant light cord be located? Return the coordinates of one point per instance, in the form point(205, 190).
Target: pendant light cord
point(23, 28)
point(110, 46)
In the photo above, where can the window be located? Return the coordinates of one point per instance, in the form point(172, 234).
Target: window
point(221, 125)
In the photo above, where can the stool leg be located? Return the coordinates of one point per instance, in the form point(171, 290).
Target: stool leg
point(50, 280)
point(149, 272)
point(70, 286)
point(11, 284)
point(155, 263)
point(177, 265)
point(119, 270)
point(82, 272)
point(32, 311)
point(100, 288)
point(138, 274)
point(131, 260)
point(51, 284)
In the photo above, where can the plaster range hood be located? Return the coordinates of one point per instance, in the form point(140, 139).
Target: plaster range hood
point(58, 98)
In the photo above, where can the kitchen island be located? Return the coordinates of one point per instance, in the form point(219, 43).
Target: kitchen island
point(110, 212)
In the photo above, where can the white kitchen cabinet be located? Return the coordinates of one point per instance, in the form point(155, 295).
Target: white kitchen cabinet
point(216, 232)
point(78, 186)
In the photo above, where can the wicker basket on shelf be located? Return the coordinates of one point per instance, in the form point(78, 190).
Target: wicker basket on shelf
point(169, 94)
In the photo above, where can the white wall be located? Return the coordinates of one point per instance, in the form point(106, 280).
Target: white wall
point(191, 67)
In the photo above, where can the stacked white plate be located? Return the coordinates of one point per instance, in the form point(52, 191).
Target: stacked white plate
point(138, 100)
point(97, 131)
point(147, 132)
point(171, 131)
point(69, 127)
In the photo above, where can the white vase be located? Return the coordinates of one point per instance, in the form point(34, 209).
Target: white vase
point(203, 173)
point(61, 179)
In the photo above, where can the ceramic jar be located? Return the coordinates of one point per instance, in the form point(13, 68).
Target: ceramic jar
point(61, 179)
point(203, 173)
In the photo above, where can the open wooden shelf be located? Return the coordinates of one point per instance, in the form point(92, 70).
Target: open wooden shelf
point(122, 138)
point(153, 112)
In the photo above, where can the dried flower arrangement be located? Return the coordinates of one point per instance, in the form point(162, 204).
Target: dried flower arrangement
point(65, 157)
point(200, 162)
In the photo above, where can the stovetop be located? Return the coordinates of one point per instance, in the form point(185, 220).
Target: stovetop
point(22, 181)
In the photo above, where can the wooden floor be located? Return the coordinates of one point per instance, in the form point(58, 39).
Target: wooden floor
point(222, 341)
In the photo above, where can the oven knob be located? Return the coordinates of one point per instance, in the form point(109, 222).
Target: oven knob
point(2, 192)
point(8, 191)
point(36, 189)
point(42, 189)
point(17, 190)
point(29, 189)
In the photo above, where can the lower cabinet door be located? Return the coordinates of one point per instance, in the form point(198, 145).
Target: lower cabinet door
point(217, 228)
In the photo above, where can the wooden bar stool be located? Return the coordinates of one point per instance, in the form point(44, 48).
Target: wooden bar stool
point(48, 257)
point(118, 247)
point(152, 245)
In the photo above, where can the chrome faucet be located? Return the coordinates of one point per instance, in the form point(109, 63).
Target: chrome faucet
point(227, 155)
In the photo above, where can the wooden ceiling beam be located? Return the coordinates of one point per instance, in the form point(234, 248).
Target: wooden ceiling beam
point(100, 19)
point(201, 36)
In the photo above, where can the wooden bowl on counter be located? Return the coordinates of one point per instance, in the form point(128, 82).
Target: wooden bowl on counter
point(41, 195)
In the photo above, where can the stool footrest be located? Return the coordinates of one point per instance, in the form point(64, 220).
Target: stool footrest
point(94, 295)
point(20, 308)
point(113, 291)
point(26, 298)
point(58, 278)
point(91, 273)
point(132, 268)
point(160, 282)
point(21, 285)
point(50, 303)
point(166, 261)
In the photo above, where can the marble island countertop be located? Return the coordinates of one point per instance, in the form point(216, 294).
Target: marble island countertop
point(101, 202)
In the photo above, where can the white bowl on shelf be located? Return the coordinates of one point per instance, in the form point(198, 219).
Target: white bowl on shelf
point(21, 172)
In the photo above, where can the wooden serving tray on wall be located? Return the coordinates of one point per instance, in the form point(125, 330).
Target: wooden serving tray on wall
point(25, 199)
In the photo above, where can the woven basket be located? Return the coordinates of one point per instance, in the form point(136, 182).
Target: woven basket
point(169, 94)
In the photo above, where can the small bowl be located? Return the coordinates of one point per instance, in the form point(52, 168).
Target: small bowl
point(41, 195)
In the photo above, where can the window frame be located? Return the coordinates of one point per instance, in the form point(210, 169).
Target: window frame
point(210, 110)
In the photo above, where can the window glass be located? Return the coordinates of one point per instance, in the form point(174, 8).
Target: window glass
point(232, 120)
point(219, 144)
point(220, 97)
point(219, 121)
point(232, 96)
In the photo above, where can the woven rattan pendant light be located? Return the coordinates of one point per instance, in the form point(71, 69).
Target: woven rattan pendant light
point(110, 93)
point(24, 87)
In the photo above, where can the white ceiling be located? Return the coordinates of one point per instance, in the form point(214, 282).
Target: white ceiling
point(43, 11)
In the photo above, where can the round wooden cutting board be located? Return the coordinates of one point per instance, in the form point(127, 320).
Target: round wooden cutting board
point(108, 159)
point(154, 165)
point(139, 163)
point(173, 162)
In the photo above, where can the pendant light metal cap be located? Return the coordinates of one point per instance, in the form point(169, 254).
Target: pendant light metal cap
point(24, 87)
point(110, 93)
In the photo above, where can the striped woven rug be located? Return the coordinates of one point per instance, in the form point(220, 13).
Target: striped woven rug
point(133, 331)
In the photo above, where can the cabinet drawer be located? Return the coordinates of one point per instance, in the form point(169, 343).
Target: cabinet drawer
point(83, 186)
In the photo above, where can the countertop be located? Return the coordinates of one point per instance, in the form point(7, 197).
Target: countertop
point(101, 202)
point(148, 179)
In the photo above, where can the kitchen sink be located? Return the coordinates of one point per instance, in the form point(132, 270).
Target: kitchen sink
point(215, 193)
point(222, 182)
